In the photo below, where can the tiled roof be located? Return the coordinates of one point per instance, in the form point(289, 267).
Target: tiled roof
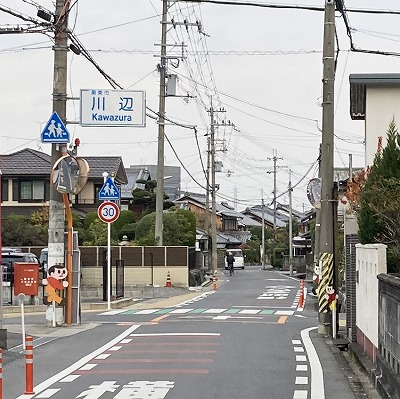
point(29, 162)
point(26, 162)
point(98, 165)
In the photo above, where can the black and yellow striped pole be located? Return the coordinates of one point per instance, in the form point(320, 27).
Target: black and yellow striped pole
point(326, 279)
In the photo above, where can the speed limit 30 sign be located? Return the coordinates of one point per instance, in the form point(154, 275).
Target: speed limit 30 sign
point(108, 211)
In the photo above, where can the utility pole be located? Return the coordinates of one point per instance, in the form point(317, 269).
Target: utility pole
point(161, 126)
point(274, 159)
point(327, 200)
point(290, 225)
point(56, 205)
point(214, 259)
point(207, 210)
point(262, 232)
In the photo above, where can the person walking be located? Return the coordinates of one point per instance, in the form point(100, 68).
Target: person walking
point(230, 259)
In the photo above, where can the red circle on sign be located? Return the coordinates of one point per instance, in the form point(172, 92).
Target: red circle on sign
point(108, 211)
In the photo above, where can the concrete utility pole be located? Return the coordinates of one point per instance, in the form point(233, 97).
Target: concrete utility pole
point(290, 225)
point(161, 126)
point(327, 200)
point(262, 232)
point(56, 206)
point(274, 159)
point(214, 260)
point(207, 209)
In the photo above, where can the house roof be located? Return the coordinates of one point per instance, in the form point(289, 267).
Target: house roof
point(358, 90)
point(98, 165)
point(26, 162)
point(134, 174)
point(257, 213)
point(29, 162)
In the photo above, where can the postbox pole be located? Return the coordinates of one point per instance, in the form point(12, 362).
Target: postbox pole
point(21, 298)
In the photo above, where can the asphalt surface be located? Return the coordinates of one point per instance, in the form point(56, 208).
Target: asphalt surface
point(252, 351)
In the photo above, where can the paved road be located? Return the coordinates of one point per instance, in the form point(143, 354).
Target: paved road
point(247, 339)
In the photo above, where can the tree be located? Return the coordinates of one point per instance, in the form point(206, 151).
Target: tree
point(125, 217)
point(97, 234)
point(18, 231)
point(379, 216)
point(179, 228)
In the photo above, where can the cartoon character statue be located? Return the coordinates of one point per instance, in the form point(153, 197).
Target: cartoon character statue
point(316, 274)
point(54, 281)
point(331, 296)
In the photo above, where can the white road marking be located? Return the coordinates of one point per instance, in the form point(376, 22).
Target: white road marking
point(70, 378)
point(214, 310)
point(103, 356)
point(301, 381)
point(301, 358)
point(126, 341)
point(296, 342)
point(221, 317)
point(284, 312)
point(112, 312)
point(62, 374)
point(299, 394)
point(88, 366)
point(298, 349)
point(180, 311)
point(115, 348)
point(317, 375)
point(48, 393)
point(176, 334)
point(146, 311)
point(302, 367)
point(250, 311)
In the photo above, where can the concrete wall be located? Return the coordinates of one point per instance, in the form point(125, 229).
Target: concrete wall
point(382, 104)
point(92, 276)
point(370, 261)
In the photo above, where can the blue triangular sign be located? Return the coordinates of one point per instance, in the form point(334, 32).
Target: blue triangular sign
point(109, 191)
point(55, 131)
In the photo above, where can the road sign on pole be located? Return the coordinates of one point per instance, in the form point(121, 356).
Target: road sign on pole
point(113, 108)
point(109, 191)
point(108, 212)
point(55, 131)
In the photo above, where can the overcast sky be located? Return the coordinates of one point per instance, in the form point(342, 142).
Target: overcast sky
point(262, 65)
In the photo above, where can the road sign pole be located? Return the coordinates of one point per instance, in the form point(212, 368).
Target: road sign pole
point(109, 265)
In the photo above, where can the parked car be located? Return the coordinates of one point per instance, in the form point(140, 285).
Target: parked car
point(9, 257)
point(239, 258)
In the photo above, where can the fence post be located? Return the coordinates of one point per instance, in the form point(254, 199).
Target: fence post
point(29, 366)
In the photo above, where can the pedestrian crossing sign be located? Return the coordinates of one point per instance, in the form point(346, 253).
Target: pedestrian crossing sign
point(109, 191)
point(55, 131)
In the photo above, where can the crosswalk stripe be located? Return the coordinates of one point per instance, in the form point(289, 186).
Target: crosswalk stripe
point(182, 311)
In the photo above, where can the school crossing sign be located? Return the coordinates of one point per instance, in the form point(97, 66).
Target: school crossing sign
point(55, 131)
point(109, 191)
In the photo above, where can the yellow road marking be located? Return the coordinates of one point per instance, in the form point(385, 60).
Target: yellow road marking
point(157, 319)
point(282, 320)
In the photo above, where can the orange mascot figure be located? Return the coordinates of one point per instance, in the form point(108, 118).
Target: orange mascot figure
point(54, 281)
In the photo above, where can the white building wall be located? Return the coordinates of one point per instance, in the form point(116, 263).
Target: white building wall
point(382, 104)
point(371, 261)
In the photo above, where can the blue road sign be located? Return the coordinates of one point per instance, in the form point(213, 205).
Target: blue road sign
point(109, 191)
point(55, 131)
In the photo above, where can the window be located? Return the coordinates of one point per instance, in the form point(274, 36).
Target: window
point(4, 190)
point(32, 190)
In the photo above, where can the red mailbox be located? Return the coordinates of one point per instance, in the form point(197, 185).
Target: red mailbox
point(26, 278)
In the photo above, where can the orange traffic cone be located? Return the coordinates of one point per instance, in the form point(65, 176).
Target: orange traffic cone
point(168, 284)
